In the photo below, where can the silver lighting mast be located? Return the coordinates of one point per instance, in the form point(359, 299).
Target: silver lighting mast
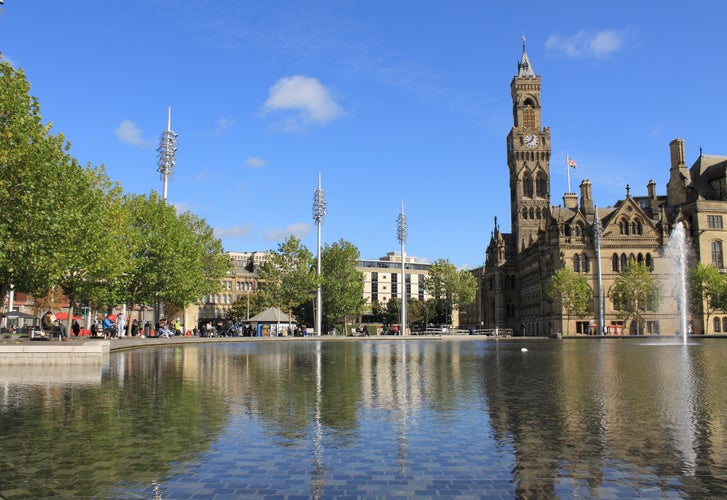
point(167, 152)
point(597, 234)
point(401, 234)
point(319, 211)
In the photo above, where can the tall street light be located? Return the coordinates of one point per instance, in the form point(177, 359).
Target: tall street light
point(401, 234)
point(166, 160)
point(597, 234)
point(167, 152)
point(319, 211)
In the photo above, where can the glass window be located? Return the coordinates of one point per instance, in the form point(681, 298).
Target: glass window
point(714, 221)
point(584, 263)
point(576, 263)
point(717, 260)
point(716, 322)
point(614, 263)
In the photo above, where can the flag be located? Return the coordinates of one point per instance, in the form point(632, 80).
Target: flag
point(571, 162)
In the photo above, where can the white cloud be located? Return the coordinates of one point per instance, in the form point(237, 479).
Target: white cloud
point(299, 230)
point(306, 95)
point(241, 231)
point(129, 133)
point(253, 162)
point(599, 45)
point(224, 124)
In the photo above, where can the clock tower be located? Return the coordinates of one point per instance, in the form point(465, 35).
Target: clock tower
point(528, 157)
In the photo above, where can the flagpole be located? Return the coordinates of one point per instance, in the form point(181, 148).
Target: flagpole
point(567, 167)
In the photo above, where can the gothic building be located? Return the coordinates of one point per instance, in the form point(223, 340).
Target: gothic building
point(545, 237)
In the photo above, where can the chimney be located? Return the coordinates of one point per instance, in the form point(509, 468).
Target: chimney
point(586, 197)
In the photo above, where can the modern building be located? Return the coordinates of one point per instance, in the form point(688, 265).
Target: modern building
point(382, 278)
point(544, 237)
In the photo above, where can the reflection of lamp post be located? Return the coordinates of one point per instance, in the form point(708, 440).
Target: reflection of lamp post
point(597, 233)
point(319, 211)
point(401, 234)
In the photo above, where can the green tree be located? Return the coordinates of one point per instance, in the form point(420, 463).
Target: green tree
point(342, 285)
point(287, 278)
point(450, 288)
point(634, 291)
point(707, 290)
point(172, 258)
point(572, 291)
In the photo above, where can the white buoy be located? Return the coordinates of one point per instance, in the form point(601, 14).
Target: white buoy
point(523, 349)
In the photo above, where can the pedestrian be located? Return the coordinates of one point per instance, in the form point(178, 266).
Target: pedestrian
point(134, 328)
point(76, 328)
point(366, 331)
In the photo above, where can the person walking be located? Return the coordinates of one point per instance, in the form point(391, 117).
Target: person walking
point(75, 328)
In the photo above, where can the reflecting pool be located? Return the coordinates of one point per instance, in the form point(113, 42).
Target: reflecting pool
point(382, 417)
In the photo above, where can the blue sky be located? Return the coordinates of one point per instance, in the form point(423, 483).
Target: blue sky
point(387, 100)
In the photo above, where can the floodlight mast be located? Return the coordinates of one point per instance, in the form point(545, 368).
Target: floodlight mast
point(401, 234)
point(167, 152)
point(319, 211)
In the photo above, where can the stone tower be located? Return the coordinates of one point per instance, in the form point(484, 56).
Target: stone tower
point(528, 157)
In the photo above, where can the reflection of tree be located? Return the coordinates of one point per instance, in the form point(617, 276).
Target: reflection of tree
point(130, 431)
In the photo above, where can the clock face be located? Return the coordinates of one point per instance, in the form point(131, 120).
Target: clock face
point(531, 140)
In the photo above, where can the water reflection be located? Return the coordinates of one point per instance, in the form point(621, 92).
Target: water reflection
point(379, 417)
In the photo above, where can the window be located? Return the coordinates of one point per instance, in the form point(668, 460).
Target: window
point(624, 262)
point(541, 185)
point(652, 327)
point(582, 327)
point(716, 323)
point(584, 263)
point(528, 186)
point(714, 221)
point(614, 263)
point(717, 260)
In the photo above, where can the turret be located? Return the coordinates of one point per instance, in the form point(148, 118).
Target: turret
point(679, 180)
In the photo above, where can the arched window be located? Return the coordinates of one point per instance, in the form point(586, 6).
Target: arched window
point(614, 263)
point(584, 263)
point(525, 213)
point(532, 213)
point(541, 185)
point(623, 227)
point(717, 259)
point(716, 323)
point(576, 263)
point(640, 259)
point(624, 262)
point(724, 324)
point(579, 231)
point(648, 262)
point(528, 186)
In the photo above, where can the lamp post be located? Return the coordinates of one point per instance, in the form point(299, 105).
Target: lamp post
point(401, 234)
point(597, 234)
point(167, 152)
point(319, 211)
point(166, 160)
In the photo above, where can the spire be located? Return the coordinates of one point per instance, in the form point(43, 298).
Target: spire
point(524, 68)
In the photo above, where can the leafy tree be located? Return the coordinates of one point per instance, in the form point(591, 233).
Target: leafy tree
point(342, 285)
point(450, 288)
point(634, 291)
point(572, 291)
point(708, 290)
point(242, 308)
point(174, 258)
point(287, 278)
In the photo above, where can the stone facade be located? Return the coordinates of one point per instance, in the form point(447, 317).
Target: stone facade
point(544, 237)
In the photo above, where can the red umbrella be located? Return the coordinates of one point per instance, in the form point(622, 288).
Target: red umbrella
point(62, 316)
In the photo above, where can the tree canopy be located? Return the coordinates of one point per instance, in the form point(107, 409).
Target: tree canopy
point(70, 227)
point(342, 285)
point(449, 288)
point(572, 291)
point(634, 291)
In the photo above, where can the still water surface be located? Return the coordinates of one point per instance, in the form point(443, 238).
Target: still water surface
point(365, 418)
